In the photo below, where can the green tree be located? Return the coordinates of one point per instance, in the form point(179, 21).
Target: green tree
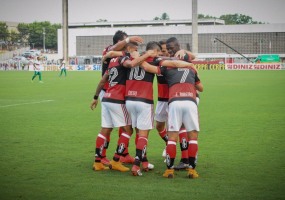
point(164, 16)
point(23, 30)
point(14, 36)
point(36, 34)
point(4, 33)
point(101, 20)
point(201, 16)
point(238, 19)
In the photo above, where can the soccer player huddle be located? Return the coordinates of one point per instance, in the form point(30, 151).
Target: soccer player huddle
point(126, 95)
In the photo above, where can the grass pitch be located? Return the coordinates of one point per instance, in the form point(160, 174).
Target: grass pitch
point(48, 133)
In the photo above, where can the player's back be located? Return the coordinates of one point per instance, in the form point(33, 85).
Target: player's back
point(139, 85)
point(181, 83)
point(117, 81)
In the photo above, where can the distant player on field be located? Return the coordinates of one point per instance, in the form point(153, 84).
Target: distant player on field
point(63, 68)
point(37, 67)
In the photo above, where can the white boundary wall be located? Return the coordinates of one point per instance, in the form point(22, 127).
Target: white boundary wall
point(73, 33)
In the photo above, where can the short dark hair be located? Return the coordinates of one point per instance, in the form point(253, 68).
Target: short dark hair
point(153, 45)
point(162, 42)
point(172, 39)
point(119, 35)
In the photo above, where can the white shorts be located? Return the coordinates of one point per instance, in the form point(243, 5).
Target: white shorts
point(197, 100)
point(114, 115)
point(161, 111)
point(101, 94)
point(185, 112)
point(141, 114)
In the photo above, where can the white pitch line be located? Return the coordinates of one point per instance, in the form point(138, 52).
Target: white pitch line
point(26, 103)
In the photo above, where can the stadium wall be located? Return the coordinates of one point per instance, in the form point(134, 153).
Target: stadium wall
point(244, 38)
point(229, 66)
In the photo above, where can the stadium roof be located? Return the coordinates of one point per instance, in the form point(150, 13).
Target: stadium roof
point(147, 23)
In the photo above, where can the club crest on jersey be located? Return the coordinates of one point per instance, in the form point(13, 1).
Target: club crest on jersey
point(121, 148)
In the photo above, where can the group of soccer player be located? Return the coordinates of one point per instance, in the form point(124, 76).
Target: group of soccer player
point(126, 95)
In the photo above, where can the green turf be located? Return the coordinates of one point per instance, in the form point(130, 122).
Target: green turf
point(47, 148)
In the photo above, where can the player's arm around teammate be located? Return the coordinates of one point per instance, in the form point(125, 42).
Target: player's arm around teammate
point(121, 44)
point(181, 53)
point(169, 63)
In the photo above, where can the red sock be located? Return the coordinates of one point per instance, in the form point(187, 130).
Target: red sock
point(122, 144)
point(163, 135)
point(136, 140)
point(120, 131)
point(183, 139)
point(106, 147)
point(192, 152)
point(170, 153)
point(99, 147)
point(140, 149)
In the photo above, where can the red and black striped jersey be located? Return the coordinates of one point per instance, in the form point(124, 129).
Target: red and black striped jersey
point(117, 80)
point(188, 59)
point(105, 65)
point(181, 83)
point(162, 87)
point(139, 85)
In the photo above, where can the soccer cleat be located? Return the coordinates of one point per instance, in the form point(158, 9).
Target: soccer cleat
point(164, 152)
point(192, 173)
point(181, 166)
point(118, 166)
point(59, 75)
point(32, 81)
point(136, 171)
point(127, 159)
point(105, 161)
point(41, 82)
point(147, 166)
point(169, 173)
point(99, 166)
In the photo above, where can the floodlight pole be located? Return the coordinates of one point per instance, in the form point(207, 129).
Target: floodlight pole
point(195, 26)
point(65, 30)
point(44, 39)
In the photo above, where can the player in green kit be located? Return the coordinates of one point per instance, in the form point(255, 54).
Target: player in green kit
point(63, 68)
point(37, 67)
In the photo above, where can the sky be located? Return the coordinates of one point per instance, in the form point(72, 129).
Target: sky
point(28, 11)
